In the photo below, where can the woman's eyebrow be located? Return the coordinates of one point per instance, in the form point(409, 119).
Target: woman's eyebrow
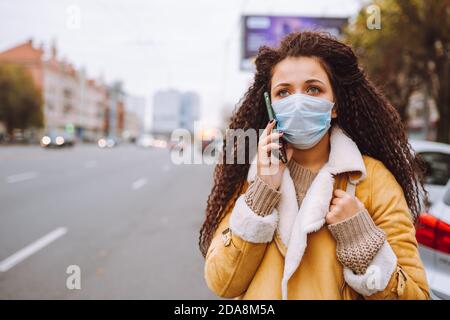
point(286, 84)
point(314, 80)
point(283, 84)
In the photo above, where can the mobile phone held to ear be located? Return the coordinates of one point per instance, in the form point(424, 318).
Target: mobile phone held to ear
point(282, 154)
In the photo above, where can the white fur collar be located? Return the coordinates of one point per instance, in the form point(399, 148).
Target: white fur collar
point(294, 223)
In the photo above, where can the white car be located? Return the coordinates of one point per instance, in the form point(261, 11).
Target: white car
point(437, 158)
point(145, 141)
point(433, 236)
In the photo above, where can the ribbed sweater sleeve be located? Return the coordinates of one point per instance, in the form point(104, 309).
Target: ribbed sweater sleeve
point(358, 241)
point(261, 198)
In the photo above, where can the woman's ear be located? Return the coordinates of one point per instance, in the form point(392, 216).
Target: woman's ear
point(333, 113)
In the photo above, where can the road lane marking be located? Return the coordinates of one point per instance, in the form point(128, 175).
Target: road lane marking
point(139, 184)
point(32, 248)
point(21, 177)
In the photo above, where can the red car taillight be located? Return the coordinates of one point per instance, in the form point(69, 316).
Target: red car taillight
point(433, 233)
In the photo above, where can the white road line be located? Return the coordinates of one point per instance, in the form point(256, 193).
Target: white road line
point(32, 248)
point(139, 184)
point(21, 177)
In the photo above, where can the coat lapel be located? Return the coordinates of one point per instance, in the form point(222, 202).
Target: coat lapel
point(295, 223)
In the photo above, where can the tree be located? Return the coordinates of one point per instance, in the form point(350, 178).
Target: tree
point(20, 99)
point(410, 51)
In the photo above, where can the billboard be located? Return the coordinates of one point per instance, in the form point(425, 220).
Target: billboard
point(261, 30)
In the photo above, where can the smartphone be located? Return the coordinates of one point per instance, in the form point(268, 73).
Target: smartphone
point(282, 154)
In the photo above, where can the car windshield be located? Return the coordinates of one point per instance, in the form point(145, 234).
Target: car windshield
point(437, 167)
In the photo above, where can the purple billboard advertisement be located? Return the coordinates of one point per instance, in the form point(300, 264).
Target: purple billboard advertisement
point(269, 30)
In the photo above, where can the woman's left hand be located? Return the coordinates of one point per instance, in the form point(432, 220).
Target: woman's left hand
point(343, 206)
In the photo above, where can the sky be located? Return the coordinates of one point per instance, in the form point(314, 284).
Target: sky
point(155, 44)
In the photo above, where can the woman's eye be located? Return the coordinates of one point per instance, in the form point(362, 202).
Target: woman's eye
point(283, 93)
point(313, 90)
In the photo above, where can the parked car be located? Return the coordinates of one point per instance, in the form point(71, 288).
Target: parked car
point(57, 140)
point(177, 145)
point(159, 143)
point(145, 141)
point(437, 158)
point(108, 142)
point(433, 236)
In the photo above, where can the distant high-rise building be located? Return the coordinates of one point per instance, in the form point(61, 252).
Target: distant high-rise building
point(189, 110)
point(173, 109)
point(135, 112)
point(166, 106)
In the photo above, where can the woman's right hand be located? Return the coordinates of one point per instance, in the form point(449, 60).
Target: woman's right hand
point(270, 169)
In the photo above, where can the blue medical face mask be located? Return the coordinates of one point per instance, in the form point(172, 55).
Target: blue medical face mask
point(303, 119)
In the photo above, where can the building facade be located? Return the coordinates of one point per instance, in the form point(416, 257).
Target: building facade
point(72, 101)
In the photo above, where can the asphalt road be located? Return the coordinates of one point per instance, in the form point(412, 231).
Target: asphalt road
point(127, 217)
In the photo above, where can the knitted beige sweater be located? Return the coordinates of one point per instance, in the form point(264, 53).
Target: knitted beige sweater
point(358, 238)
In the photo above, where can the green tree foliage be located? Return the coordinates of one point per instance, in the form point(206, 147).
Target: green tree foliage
point(411, 50)
point(20, 99)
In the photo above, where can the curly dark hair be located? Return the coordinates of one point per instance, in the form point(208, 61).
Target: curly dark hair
point(363, 113)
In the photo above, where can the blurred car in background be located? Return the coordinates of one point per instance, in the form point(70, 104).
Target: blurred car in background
point(437, 159)
point(148, 141)
point(57, 139)
point(177, 145)
point(159, 143)
point(145, 141)
point(433, 236)
point(108, 142)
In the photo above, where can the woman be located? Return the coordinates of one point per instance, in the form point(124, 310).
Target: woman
point(337, 220)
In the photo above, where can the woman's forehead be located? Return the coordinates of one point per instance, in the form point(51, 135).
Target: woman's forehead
point(296, 70)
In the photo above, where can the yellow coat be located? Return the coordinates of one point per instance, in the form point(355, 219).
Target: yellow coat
point(242, 269)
